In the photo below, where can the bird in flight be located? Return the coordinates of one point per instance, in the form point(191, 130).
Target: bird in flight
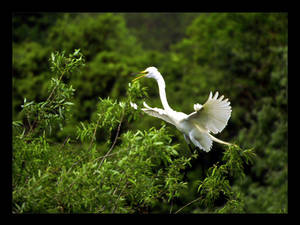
point(211, 117)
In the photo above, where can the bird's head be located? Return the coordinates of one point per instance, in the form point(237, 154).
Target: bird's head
point(150, 72)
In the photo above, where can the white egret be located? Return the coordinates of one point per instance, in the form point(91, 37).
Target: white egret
point(196, 127)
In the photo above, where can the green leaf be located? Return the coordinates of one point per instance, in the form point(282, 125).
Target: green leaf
point(132, 181)
point(214, 170)
point(69, 103)
point(60, 112)
point(200, 186)
point(17, 123)
point(52, 56)
point(174, 152)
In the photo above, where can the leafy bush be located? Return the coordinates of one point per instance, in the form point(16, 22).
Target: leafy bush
point(129, 173)
point(61, 141)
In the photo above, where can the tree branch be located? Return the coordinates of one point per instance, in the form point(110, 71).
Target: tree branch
point(113, 145)
point(36, 120)
point(115, 206)
point(94, 134)
point(197, 199)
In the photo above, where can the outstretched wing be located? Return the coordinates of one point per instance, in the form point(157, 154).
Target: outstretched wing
point(156, 112)
point(213, 115)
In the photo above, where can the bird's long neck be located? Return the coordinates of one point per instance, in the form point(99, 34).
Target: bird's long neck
point(162, 93)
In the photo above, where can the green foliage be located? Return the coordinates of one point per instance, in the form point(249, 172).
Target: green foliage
point(86, 152)
point(150, 28)
point(108, 49)
point(244, 56)
point(53, 178)
point(129, 174)
point(45, 114)
point(216, 184)
point(35, 24)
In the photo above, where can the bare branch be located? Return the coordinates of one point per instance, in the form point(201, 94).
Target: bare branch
point(113, 145)
point(197, 199)
point(115, 206)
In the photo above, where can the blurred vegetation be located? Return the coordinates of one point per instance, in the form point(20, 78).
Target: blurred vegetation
point(241, 55)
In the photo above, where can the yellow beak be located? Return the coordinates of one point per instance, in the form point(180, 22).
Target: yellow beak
point(142, 72)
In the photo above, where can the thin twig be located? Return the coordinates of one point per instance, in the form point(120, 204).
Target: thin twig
point(36, 120)
point(28, 120)
point(94, 134)
point(171, 206)
point(113, 145)
point(34, 125)
point(108, 155)
point(117, 187)
point(52, 92)
point(65, 141)
point(197, 199)
point(115, 206)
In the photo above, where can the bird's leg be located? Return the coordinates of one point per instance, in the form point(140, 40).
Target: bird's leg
point(219, 141)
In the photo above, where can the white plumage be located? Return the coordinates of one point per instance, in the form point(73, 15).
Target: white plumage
point(214, 114)
point(196, 127)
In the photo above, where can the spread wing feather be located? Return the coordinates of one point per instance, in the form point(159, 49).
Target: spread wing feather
point(156, 112)
point(213, 115)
